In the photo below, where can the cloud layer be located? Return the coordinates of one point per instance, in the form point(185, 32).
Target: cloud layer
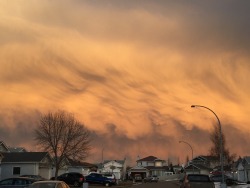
point(129, 71)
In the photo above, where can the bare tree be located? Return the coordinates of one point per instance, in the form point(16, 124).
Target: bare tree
point(215, 149)
point(63, 137)
point(187, 159)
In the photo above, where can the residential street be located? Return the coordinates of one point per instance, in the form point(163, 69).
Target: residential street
point(161, 184)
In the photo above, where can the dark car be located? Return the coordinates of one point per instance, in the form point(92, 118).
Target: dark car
point(228, 180)
point(72, 178)
point(96, 178)
point(196, 180)
point(18, 182)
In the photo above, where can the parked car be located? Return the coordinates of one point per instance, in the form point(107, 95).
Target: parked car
point(110, 176)
point(153, 178)
point(18, 182)
point(49, 184)
point(36, 177)
point(228, 180)
point(196, 181)
point(72, 178)
point(96, 178)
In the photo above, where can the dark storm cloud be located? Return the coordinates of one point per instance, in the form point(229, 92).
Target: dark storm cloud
point(129, 69)
point(165, 146)
point(201, 25)
point(153, 142)
point(17, 127)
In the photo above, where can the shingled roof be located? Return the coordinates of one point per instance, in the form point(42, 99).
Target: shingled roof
point(17, 149)
point(79, 163)
point(149, 158)
point(15, 157)
point(118, 161)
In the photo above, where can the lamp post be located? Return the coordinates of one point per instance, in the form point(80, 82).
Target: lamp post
point(181, 141)
point(223, 185)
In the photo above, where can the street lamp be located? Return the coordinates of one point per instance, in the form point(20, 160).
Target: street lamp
point(181, 141)
point(223, 185)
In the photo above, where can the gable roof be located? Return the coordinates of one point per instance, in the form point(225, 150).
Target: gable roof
point(17, 149)
point(118, 161)
point(166, 168)
point(16, 157)
point(247, 159)
point(149, 158)
point(138, 169)
point(79, 163)
point(3, 146)
point(243, 162)
point(197, 166)
point(205, 158)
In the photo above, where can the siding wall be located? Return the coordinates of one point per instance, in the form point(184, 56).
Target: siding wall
point(7, 169)
point(80, 170)
point(45, 172)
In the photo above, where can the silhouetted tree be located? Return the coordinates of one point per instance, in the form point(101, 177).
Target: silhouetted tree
point(215, 149)
point(171, 168)
point(63, 137)
point(187, 159)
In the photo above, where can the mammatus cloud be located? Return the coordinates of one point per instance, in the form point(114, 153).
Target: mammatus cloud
point(128, 71)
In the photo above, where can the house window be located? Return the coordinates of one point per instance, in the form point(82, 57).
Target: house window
point(158, 163)
point(16, 170)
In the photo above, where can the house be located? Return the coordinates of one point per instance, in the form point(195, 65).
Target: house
point(16, 161)
point(177, 169)
point(81, 167)
point(197, 169)
point(143, 171)
point(15, 164)
point(241, 171)
point(63, 167)
point(117, 167)
point(150, 165)
point(208, 161)
point(202, 164)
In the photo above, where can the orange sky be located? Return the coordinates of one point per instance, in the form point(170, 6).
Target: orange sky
point(129, 70)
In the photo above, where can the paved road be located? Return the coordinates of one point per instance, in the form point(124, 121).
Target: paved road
point(160, 184)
